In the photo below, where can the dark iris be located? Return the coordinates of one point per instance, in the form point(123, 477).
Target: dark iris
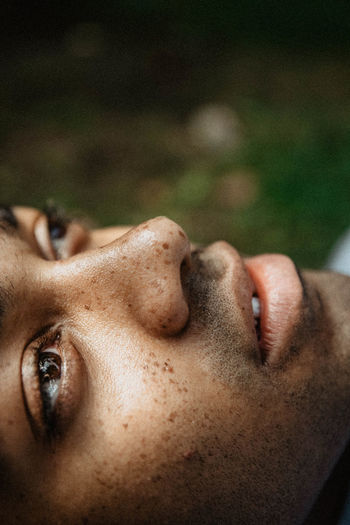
point(57, 222)
point(49, 367)
point(49, 377)
point(57, 230)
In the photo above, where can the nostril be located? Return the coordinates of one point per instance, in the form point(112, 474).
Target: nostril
point(185, 267)
point(185, 263)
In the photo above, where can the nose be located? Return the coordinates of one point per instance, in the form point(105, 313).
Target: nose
point(157, 250)
point(141, 271)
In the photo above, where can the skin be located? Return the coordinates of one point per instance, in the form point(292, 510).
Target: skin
point(168, 414)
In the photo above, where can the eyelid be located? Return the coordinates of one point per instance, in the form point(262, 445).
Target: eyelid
point(72, 383)
point(76, 237)
point(42, 237)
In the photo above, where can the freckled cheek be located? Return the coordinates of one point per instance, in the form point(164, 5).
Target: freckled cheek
point(155, 411)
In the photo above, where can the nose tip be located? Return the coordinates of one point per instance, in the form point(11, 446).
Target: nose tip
point(158, 249)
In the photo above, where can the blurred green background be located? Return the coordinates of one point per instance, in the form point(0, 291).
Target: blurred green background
point(232, 118)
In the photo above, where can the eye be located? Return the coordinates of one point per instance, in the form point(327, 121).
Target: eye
point(57, 236)
point(57, 223)
point(53, 379)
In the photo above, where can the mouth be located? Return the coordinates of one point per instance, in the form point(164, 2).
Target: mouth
point(276, 303)
point(267, 294)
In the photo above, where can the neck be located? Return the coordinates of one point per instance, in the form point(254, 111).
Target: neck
point(329, 505)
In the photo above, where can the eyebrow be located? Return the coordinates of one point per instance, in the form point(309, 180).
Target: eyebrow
point(8, 221)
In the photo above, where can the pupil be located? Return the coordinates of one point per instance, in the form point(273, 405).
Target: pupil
point(57, 230)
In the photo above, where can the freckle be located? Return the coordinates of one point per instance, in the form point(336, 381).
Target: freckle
point(189, 454)
point(10, 421)
point(167, 262)
point(124, 257)
point(156, 478)
point(165, 245)
point(156, 363)
point(147, 267)
point(179, 389)
point(154, 373)
point(185, 389)
point(158, 251)
point(172, 381)
point(125, 425)
point(102, 482)
point(145, 367)
point(87, 307)
point(155, 400)
point(143, 456)
point(172, 417)
point(171, 370)
point(129, 305)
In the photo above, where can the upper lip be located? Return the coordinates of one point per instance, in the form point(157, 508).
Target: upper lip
point(220, 263)
point(278, 286)
point(274, 278)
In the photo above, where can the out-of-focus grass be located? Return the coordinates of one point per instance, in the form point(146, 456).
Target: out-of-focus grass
point(77, 132)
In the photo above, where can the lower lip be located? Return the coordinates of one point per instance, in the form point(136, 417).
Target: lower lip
point(280, 292)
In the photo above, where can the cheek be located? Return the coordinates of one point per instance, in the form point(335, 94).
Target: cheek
point(177, 434)
point(152, 413)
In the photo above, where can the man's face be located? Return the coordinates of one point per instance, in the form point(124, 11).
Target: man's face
point(137, 385)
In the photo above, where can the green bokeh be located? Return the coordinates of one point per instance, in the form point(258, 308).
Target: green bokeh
point(103, 128)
